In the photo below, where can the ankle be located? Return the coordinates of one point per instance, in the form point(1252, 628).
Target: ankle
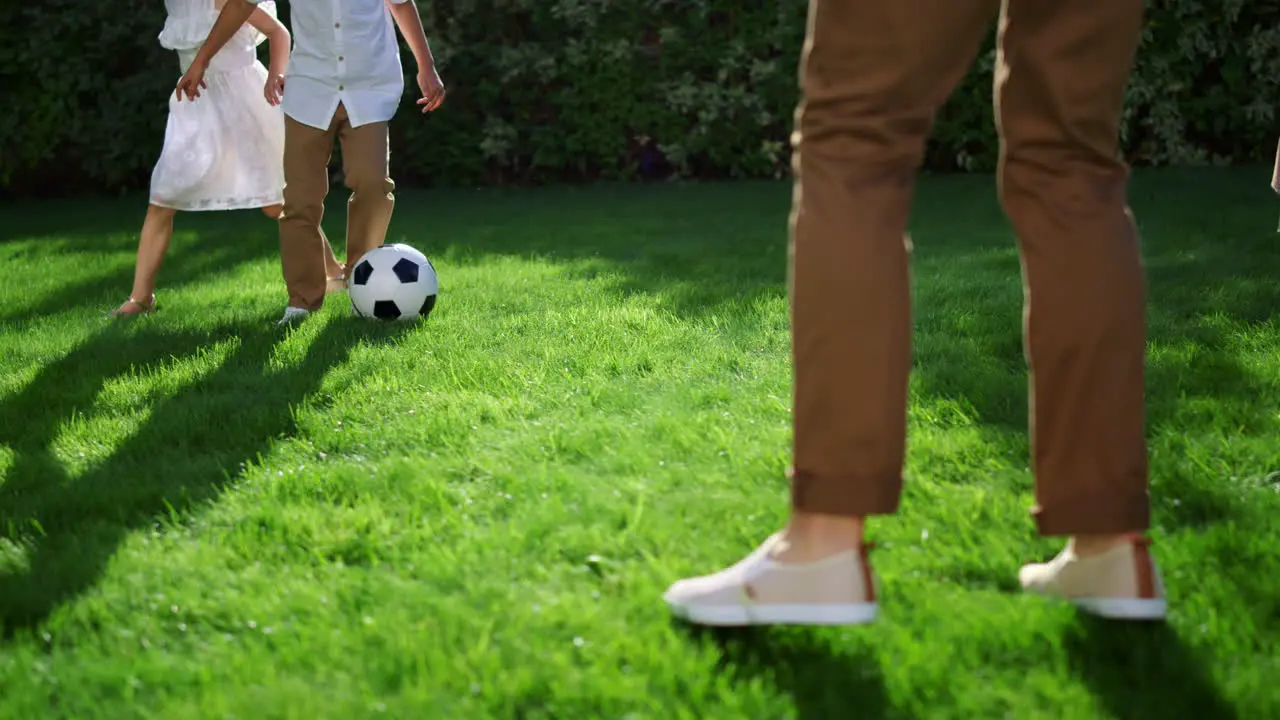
point(809, 536)
point(1090, 545)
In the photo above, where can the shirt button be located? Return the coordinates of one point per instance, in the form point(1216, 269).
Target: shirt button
point(340, 58)
point(342, 87)
point(337, 25)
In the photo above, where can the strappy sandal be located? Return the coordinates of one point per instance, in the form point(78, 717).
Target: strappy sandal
point(141, 307)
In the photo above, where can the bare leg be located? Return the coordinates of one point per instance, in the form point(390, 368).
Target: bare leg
point(153, 243)
point(1275, 174)
point(332, 267)
point(811, 536)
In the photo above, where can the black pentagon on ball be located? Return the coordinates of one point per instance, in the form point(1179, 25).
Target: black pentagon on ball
point(427, 305)
point(406, 270)
point(362, 272)
point(386, 310)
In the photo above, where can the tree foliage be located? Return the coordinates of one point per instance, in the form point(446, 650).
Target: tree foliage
point(573, 90)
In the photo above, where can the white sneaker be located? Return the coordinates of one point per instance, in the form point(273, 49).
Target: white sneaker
point(1120, 584)
point(837, 590)
point(293, 315)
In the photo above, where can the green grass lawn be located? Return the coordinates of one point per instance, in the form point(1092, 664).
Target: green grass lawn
point(202, 516)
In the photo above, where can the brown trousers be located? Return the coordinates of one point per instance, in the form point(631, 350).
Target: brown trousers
point(366, 165)
point(873, 74)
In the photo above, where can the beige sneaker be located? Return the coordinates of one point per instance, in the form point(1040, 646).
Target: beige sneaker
point(1120, 584)
point(837, 590)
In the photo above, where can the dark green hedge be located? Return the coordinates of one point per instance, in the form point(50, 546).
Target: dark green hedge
point(570, 90)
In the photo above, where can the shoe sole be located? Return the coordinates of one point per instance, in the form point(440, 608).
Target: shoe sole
point(1124, 608)
point(742, 615)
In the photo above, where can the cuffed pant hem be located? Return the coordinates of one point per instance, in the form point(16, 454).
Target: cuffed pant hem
point(847, 496)
point(1098, 515)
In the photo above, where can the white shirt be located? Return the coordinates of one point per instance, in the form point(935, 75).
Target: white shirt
point(344, 51)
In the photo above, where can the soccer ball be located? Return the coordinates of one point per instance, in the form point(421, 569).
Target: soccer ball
point(393, 282)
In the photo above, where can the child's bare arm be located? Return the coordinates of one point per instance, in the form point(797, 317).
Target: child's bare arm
point(233, 15)
point(280, 40)
point(409, 21)
point(277, 35)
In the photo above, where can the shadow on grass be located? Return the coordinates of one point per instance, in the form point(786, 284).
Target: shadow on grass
point(822, 680)
point(1206, 257)
point(1141, 670)
point(191, 444)
point(698, 249)
point(223, 243)
point(1136, 670)
point(83, 222)
point(969, 342)
point(1203, 302)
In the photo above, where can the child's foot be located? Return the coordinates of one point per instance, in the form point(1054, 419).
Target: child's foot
point(336, 272)
point(1120, 584)
point(133, 307)
point(759, 590)
point(293, 315)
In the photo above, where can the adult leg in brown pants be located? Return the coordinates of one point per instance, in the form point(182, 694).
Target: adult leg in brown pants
point(303, 246)
point(873, 75)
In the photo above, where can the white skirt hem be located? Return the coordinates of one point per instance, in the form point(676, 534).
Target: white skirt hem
point(244, 203)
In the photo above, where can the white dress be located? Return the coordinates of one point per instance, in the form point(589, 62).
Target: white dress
point(225, 149)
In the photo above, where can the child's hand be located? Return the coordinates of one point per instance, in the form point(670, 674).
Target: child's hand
point(432, 89)
point(192, 81)
point(274, 89)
